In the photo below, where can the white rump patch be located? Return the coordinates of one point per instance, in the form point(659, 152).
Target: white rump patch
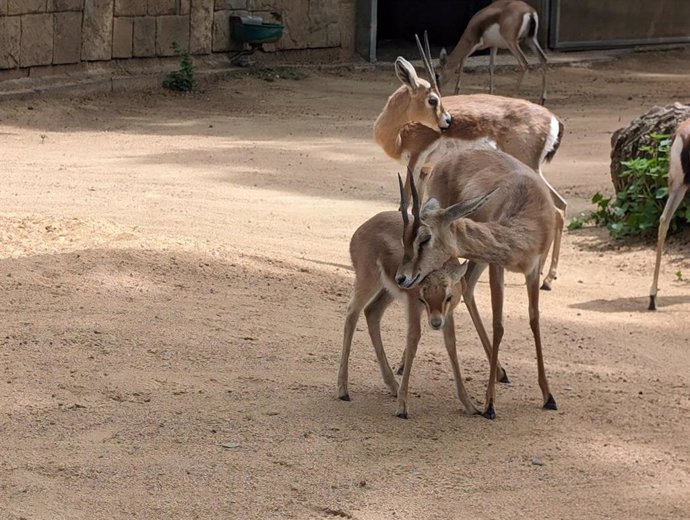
point(551, 138)
point(524, 28)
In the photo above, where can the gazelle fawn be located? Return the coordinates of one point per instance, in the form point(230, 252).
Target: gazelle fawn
point(678, 184)
point(376, 251)
point(511, 230)
point(413, 129)
point(504, 24)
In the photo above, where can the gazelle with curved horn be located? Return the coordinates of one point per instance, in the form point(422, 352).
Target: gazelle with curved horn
point(409, 131)
point(501, 25)
point(678, 184)
point(511, 227)
point(376, 251)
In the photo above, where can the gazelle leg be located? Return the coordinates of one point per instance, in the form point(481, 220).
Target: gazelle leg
point(555, 251)
point(449, 340)
point(536, 48)
point(373, 313)
point(414, 332)
point(458, 72)
point(492, 63)
point(561, 206)
point(675, 197)
point(496, 282)
point(360, 298)
point(516, 51)
point(474, 272)
point(532, 280)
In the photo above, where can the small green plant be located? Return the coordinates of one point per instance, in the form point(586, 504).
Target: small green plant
point(635, 210)
point(679, 276)
point(181, 80)
point(43, 138)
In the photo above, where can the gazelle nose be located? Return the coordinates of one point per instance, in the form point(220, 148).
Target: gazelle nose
point(436, 323)
point(448, 118)
point(400, 279)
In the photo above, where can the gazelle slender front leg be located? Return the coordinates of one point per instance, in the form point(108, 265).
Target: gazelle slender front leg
point(373, 313)
point(474, 272)
point(414, 332)
point(496, 283)
point(675, 197)
point(360, 297)
point(449, 340)
point(532, 281)
point(492, 63)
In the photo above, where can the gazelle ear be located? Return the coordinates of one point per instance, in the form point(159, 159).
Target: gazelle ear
point(456, 270)
point(429, 206)
point(443, 58)
point(406, 73)
point(462, 209)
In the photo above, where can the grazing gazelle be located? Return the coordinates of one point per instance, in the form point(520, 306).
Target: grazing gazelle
point(678, 184)
point(528, 132)
point(376, 252)
point(512, 230)
point(501, 25)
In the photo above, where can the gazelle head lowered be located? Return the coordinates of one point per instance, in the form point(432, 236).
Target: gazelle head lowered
point(441, 291)
point(428, 240)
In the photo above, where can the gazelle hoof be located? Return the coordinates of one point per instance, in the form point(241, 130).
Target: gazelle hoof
point(504, 379)
point(550, 403)
point(401, 415)
point(400, 370)
point(652, 303)
point(344, 397)
point(489, 413)
point(546, 286)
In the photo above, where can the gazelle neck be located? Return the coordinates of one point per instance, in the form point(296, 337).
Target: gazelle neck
point(390, 121)
point(484, 242)
point(461, 51)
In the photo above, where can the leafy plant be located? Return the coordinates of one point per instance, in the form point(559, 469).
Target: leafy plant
point(635, 210)
point(679, 276)
point(182, 80)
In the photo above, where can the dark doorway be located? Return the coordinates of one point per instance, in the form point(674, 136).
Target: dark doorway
point(399, 20)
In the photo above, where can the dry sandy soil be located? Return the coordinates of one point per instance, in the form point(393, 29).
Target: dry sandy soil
point(174, 274)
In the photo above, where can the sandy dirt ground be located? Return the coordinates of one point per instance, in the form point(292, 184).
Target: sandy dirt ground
point(174, 274)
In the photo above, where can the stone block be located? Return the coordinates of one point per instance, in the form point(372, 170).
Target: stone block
point(226, 5)
point(144, 37)
point(25, 6)
point(201, 27)
point(162, 7)
point(323, 13)
point(67, 38)
point(123, 29)
point(3, 7)
point(130, 7)
point(10, 33)
point(97, 43)
point(221, 31)
point(185, 6)
point(65, 5)
point(36, 40)
point(171, 29)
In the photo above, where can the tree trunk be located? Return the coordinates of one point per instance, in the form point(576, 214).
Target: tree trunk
point(626, 142)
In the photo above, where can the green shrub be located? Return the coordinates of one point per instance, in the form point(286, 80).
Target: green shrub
point(181, 80)
point(635, 210)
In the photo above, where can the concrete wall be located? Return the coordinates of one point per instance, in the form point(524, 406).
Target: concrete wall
point(56, 34)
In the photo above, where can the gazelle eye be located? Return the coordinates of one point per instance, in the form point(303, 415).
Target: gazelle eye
point(425, 240)
point(421, 301)
point(433, 101)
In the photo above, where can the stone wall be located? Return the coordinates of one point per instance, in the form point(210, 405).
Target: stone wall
point(56, 33)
